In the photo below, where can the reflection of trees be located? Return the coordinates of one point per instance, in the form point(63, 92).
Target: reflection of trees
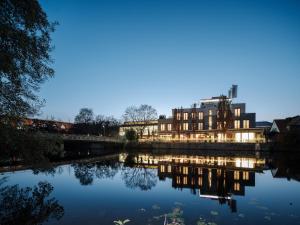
point(136, 175)
point(47, 169)
point(28, 206)
point(106, 169)
point(86, 172)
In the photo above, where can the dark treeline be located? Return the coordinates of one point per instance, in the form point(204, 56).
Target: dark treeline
point(87, 123)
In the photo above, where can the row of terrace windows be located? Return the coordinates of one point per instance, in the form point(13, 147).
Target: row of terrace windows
point(237, 113)
point(193, 115)
point(237, 125)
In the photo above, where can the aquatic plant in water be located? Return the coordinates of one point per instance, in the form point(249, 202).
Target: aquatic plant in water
point(120, 222)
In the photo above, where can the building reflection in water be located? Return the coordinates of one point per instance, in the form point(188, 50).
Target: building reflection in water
point(216, 178)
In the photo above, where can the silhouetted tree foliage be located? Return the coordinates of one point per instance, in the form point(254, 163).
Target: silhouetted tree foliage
point(28, 147)
point(28, 206)
point(101, 125)
point(136, 175)
point(25, 46)
point(224, 116)
point(85, 115)
point(143, 113)
point(131, 135)
point(86, 172)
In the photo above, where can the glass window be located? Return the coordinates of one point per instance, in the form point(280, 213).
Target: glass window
point(210, 112)
point(246, 124)
point(169, 126)
point(200, 115)
point(185, 116)
point(162, 127)
point(200, 126)
point(237, 112)
point(178, 116)
point(185, 126)
point(236, 124)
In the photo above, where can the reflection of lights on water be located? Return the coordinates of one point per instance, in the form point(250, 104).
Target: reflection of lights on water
point(201, 160)
point(245, 163)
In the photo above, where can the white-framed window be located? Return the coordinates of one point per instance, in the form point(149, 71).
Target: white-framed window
point(245, 175)
point(185, 116)
point(236, 186)
point(200, 126)
point(210, 123)
point(162, 127)
point(237, 112)
point(200, 115)
point(236, 175)
point(169, 127)
point(246, 124)
point(185, 126)
point(237, 124)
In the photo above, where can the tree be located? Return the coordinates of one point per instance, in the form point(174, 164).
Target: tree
point(25, 46)
point(28, 206)
point(137, 175)
point(85, 115)
point(131, 135)
point(142, 115)
point(224, 116)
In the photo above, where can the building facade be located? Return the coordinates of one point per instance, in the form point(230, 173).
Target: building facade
point(201, 124)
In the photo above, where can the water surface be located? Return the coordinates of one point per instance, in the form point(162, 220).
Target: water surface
point(151, 188)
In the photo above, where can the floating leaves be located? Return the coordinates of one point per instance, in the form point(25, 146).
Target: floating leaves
point(241, 215)
point(202, 221)
point(155, 207)
point(214, 213)
point(120, 222)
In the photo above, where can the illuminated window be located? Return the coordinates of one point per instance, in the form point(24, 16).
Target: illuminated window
point(236, 124)
point(236, 186)
point(162, 127)
point(200, 181)
point(185, 116)
point(210, 122)
point(169, 168)
point(178, 116)
point(178, 180)
point(200, 115)
point(185, 170)
point(237, 112)
point(200, 126)
point(185, 126)
point(210, 112)
point(162, 168)
point(246, 124)
point(169, 126)
point(245, 175)
point(184, 180)
point(236, 175)
point(200, 171)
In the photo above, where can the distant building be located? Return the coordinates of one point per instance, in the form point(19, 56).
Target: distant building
point(281, 127)
point(147, 129)
point(46, 125)
point(200, 124)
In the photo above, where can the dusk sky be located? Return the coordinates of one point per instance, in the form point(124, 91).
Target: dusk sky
point(113, 54)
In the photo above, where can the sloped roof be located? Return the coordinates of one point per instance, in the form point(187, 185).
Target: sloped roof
point(281, 124)
point(295, 121)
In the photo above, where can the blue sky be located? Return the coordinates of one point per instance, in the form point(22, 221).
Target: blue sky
point(113, 54)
